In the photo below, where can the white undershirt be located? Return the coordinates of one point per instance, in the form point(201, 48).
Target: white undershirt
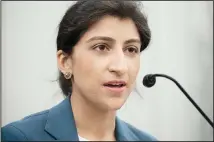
point(82, 139)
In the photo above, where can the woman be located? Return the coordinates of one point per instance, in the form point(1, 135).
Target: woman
point(98, 54)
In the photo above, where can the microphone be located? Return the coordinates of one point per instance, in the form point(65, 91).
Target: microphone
point(150, 80)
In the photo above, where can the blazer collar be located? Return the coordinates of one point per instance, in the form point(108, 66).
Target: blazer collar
point(61, 124)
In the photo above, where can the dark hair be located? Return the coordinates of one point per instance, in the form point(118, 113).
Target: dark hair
point(80, 16)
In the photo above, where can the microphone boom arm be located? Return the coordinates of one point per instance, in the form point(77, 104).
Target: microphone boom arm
point(187, 95)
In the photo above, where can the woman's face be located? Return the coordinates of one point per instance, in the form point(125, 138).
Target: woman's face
point(105, 63)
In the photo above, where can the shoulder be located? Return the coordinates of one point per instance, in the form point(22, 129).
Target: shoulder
point(137, 134)
point(25, 128)
point(140, 134)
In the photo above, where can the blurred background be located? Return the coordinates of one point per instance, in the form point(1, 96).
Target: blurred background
point(181, 47)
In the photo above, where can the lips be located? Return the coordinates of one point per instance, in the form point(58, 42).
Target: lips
point(115, 84)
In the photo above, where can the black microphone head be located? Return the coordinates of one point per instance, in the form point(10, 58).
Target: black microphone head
point(149, 80)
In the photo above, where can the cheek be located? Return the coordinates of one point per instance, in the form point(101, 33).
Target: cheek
point(87, 68)
point(134, 66)
point(82, 67)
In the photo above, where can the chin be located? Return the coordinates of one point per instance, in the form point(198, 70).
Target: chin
point(116, 103)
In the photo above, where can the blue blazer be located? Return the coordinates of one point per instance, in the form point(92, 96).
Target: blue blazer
point(58, 123)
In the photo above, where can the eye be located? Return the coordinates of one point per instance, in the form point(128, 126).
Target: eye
point(132, 50)
point(101, 47)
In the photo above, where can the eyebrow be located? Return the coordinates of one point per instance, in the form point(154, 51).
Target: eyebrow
point(132, 40)
point(112, 40)
point(101, 38)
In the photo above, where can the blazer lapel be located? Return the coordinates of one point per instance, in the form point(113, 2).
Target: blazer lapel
point(60, 122)
point(122, 131)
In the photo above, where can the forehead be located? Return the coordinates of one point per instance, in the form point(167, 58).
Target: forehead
point(114, 27)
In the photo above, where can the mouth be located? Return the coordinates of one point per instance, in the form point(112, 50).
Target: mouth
point(115, 86)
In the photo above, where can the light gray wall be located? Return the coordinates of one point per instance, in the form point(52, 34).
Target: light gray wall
point(182, 47)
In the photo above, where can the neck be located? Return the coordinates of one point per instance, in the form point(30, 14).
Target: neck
point(92, 123)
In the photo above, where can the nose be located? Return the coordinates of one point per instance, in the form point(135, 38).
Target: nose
point(118, 64)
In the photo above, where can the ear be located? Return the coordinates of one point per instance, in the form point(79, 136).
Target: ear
point(64, 62)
